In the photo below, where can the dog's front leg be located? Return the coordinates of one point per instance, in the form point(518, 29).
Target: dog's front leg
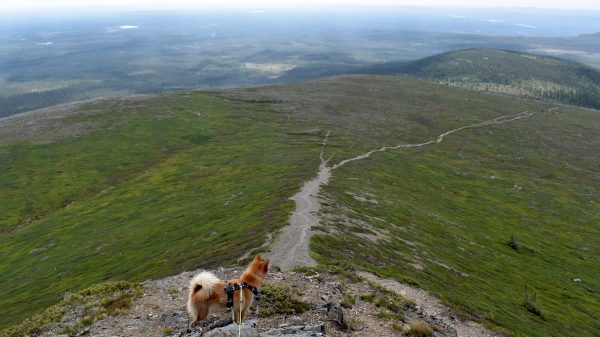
point(247, 304)
point(236, 314)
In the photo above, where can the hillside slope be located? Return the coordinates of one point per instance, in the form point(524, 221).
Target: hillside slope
point(139, 188)
point(476, 218)
point(508, 72)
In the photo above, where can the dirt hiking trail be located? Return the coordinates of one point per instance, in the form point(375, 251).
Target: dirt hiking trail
point(291, 248)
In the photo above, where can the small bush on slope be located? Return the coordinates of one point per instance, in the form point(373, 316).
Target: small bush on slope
point(277, 300)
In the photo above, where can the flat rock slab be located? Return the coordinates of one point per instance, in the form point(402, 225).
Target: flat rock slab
point(297, 331)
point(232, 331)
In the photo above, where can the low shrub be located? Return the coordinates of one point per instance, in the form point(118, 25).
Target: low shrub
point(278, 300)
point(514, 243)
point(530, 302)
point(419, 329)
point(348, 301)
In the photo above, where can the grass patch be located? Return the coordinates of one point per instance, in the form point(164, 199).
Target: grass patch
point(419, 329)
point(355, 324)
point(307, 270)
point(87, 320)
point(278, 300)
point(92, 303)
point(385, 314)
point(397, 327)
point(530, 302)
point(392, 306)
point(348, 301)
point(514, 243)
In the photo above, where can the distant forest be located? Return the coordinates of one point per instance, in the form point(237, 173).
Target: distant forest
point(506, 72)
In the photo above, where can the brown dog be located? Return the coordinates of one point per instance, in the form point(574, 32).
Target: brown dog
point(208, 290)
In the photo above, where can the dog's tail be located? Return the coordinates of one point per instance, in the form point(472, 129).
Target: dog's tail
point(201, 287)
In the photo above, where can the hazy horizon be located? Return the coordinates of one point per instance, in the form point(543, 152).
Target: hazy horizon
point(14, 5)
point(119, 50)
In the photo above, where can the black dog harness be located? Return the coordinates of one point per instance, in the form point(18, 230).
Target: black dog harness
point(231, 288)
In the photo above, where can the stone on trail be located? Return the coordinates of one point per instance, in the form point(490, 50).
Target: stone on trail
point(336, 314)
point(232, 331)
point(297, 331)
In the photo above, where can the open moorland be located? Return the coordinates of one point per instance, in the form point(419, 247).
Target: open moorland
point(146, 187)
point(476, 218)
point(139, 188)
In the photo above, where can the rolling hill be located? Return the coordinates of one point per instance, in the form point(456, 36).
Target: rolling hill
point(144, 187)
point(506, 72)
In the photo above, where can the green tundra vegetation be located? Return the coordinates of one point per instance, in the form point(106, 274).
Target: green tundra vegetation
point(443, 216)
point(97, 302)
point(136, 188)
point(507, 72)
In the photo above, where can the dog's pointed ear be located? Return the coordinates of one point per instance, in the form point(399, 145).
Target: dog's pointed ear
point(257, 257)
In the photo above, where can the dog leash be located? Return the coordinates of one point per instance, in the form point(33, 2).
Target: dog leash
point(241, 300)
point(230, 289)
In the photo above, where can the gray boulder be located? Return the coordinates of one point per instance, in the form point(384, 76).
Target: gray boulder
point(232, 331)
point(297, 331)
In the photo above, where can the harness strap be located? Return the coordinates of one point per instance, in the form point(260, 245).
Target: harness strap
point(231, 288)
point(252, 288)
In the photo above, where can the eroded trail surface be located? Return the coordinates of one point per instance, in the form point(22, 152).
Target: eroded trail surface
point(440, 138)
point(291, 248)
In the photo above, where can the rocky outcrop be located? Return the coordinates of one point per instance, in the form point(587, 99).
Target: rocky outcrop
point(248, 330)
point(333, 305)
point(297, 331)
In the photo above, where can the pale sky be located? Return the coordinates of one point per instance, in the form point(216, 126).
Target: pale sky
point(182, 4)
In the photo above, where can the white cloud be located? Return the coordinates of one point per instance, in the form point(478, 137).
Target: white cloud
point(526, 26)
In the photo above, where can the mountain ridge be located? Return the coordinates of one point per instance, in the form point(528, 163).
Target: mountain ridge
point(505, 71)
